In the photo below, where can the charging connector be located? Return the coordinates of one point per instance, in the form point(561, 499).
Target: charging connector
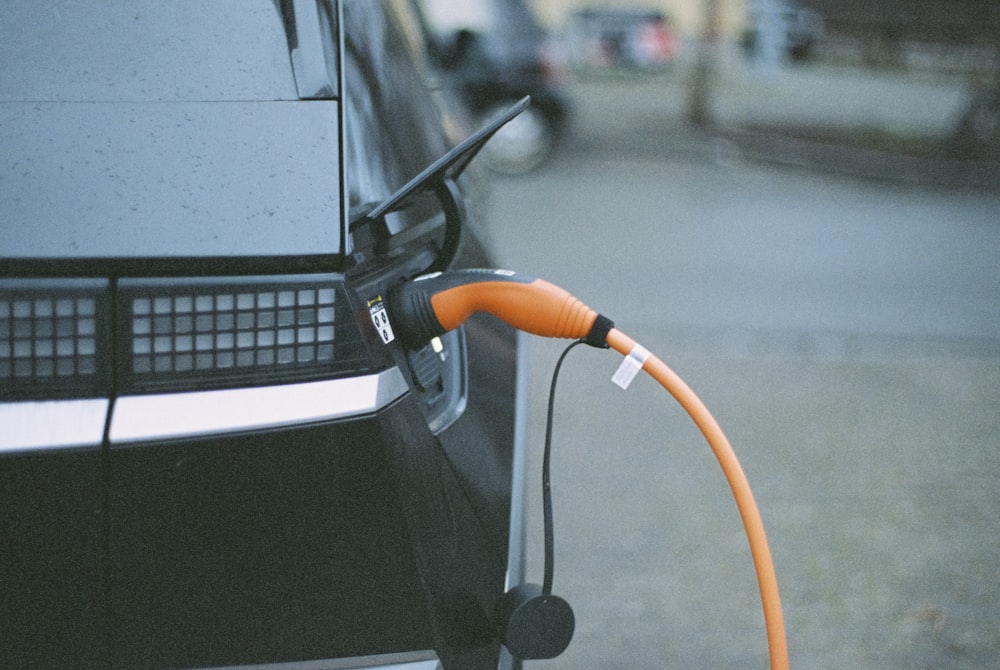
point(431, 305)
point(434, 304)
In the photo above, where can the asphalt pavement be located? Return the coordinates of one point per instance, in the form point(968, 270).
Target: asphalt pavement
point(872, 445)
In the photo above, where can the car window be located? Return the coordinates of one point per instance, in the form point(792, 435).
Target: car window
point(501, 25)
point(392, 125)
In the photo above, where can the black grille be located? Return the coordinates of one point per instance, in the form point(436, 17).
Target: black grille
point(53, 338)
point(64, 338)
point(225, 332)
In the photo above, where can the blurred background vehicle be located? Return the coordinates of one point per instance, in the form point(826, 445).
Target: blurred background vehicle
point(621, 38)
point(491, 53)
point(798, 29)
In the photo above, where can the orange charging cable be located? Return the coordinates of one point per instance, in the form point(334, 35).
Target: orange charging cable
point(752, 523)
point(434, 304)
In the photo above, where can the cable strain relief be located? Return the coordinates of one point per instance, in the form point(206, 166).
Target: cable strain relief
point(413, 316)
point(598, 335)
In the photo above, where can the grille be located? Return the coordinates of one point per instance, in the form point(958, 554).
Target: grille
point(62, 338)
point(52, 337)
point(254, 332)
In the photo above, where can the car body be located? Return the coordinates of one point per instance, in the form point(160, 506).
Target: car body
point(491, 53)
point(213, 452)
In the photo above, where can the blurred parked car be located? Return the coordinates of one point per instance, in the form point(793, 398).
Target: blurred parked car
point(617, 38)
point(491, 53)
point(213, 451)
point(799, 29)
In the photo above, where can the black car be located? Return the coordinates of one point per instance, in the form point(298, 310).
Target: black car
point(214, 451)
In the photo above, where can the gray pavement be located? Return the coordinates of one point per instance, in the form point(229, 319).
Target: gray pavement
point(852, 358)
point(877, 480)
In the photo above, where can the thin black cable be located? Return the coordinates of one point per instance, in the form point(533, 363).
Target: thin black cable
point(546, 480)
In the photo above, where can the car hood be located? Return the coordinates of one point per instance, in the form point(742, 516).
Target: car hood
point(86, 180)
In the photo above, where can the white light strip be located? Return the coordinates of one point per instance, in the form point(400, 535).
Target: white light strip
point(173, 415)
point(427, 660)
point(52, 424)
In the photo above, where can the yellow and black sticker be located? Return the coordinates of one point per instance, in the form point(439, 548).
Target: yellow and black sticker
point(380, 318)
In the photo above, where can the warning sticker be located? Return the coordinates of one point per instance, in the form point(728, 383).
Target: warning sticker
point(376, 307)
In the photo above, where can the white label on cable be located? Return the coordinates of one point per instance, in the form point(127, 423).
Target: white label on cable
point(630, 366)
